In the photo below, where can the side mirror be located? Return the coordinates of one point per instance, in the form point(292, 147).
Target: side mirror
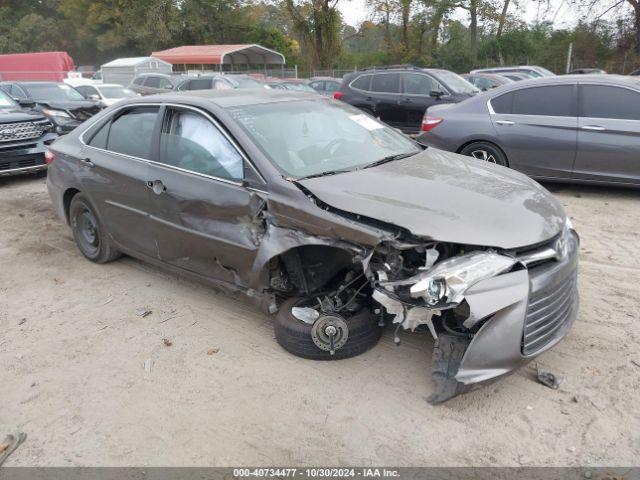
point(25, 102)
point(435, 94)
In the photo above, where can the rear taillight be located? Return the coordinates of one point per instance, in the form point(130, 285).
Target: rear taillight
point(338, 95)
point(429, 122)
point(49, 157)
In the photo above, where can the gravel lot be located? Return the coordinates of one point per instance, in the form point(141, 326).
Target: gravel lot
point(93, 383)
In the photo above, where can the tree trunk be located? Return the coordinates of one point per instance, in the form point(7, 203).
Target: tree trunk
point(473, 27)
point(501, 21)
point(406, 12)
point(636, 10)
point(436, 21)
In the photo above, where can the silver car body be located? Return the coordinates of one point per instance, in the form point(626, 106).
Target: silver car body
point(567, 147)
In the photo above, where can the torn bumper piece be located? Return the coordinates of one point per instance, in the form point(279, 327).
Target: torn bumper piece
point(520, 315)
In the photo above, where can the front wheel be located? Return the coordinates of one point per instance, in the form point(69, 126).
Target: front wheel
point(89, 234)
point(486, 152)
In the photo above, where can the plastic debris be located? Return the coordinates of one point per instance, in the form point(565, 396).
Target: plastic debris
point(143, 312)
point(213, 351)
point(10, 443)
point(548, 379)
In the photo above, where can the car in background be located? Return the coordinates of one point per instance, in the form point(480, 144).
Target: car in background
point(62, 104)
point(290, 85)
point(152, 83)
point(533, 71)
point(24, 138)
point(399, 96)
point(325, 85)
point(331, 220)
point(486, 81)
point(587, 71)
point(106, 93)
point(572, 128)
point(517, 76)
point(218, 82)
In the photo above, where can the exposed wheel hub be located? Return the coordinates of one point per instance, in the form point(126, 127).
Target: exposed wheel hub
point(484, 155)
point(330, 332)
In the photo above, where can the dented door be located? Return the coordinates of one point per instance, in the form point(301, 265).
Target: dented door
point(205, 220)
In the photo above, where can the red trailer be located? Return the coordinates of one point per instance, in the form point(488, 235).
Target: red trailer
point(52, 66)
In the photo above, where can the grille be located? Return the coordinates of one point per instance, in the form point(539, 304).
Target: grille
point(11, 132)
point(551, 301)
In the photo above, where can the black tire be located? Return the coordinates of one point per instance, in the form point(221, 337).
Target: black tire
point(487, 152)
point(90, 235)
point(295, 336)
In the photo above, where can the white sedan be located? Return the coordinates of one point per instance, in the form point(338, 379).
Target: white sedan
point(106, 93)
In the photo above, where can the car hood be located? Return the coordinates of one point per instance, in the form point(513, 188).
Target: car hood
point(10, 115)
point(70, 105)
point(447, 197)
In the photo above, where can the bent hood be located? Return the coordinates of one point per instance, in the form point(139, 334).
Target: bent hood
point(447, 197)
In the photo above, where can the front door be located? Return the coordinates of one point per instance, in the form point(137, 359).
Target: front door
point(608, 135)
point(204, 218)
point(416, 98)
point(537, 129)
point(114, 168)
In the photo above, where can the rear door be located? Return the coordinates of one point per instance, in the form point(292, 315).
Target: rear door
point(385, 92)
point(204, 218)
point(537, 128)
point(114, 167)
point(416, 98)
point(609, 134)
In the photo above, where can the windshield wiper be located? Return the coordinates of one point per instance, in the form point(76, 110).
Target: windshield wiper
point(390, 158)
point(323, 174)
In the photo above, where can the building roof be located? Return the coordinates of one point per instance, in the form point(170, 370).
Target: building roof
point(221, 54)
point(129, 61)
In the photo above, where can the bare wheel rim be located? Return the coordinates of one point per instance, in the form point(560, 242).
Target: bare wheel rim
point(87, 227)
point(484, 155)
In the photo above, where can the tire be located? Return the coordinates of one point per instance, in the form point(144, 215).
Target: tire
point(485, 151)
point(89, 233)
point(295, 336)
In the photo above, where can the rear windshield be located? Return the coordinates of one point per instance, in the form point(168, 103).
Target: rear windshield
point(308, 137)
point(42, 92)
point(455, 82)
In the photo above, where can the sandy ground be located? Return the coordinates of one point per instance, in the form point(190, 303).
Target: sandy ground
point(73, 377)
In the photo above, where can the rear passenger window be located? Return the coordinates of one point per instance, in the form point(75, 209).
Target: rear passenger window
point(386, 83)
point(503, 103)
point(199, 84)
point(362, 83)
point(131, 132)
point(138, 81)
point(555, 100)
point(610, 102)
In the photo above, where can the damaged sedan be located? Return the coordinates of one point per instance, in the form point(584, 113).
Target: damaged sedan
point(331, 221)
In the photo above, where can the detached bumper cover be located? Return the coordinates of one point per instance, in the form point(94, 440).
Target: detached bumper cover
point(533, 310)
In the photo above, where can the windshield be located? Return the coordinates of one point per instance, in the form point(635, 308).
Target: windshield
point(309, 137)
point(455, 82)
point(300, 87)
point(116, 92)
point(42, 92)
point(5, 101)
point(245, 82)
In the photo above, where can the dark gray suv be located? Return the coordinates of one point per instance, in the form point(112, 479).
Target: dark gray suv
point(581, 128)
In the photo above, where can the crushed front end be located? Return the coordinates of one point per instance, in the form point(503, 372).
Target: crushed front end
point(489, 311)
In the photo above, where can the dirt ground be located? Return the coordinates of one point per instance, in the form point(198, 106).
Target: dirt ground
point(92, 383)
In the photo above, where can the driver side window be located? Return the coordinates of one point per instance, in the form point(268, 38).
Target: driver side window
point(191, 142)
point(419, 84)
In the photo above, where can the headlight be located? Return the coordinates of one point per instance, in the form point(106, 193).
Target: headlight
point(449, 280)
point(55, 113)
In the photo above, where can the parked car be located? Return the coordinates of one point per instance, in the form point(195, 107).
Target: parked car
point(329, 219)
point(531, 70)
point(581, 128)
point(59, 102)
point(24, 138)
point(325, 85)
point(106, 93)
point(635, 73)
point(486, 81)
point(399, 96)
point(218, 82)
point(587, 71)
point(152, 83)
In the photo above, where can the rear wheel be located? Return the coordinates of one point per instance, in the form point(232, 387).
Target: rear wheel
point(89, 234)
point(360, 330)
point(487, 152)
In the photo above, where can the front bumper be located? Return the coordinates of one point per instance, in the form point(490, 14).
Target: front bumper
point(529, 311)
point(24, 156)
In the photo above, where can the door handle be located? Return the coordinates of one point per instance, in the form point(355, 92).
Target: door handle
point(593, 128)
point(157, 186)
point(505, 122)
point(87, 162)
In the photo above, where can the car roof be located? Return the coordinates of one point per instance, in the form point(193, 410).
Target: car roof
point(231, 98)
point(622, 80)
